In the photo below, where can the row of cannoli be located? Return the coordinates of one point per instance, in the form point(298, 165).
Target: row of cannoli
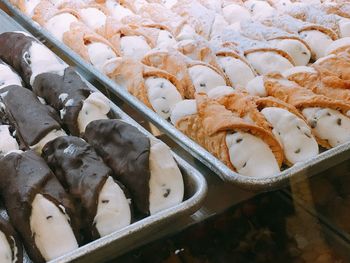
point(204, 64)
point(61, 191)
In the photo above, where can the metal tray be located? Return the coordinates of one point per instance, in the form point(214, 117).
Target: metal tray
point(319, 163)
point(139, 232)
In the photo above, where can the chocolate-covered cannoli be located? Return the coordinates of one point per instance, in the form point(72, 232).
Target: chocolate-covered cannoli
point(10, 246)
point(28, 56)
point(35, 123)
point(8, 77)
point(103, 204)
point(38, 206)
point(69, 94)
point(145, 166)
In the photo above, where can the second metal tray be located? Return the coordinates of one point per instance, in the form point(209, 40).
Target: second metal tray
point(308, 168)
point(143, 230)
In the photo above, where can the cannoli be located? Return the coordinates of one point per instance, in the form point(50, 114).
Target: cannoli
point(315, 15)
point(242, 146)
point(262, 56)
point(145, 166)
point(317, 36)
point(103, 204)
point(196, 76)
point(283, 120)
point(10, 245)
point(156, 88)
point(259, 9)
point(38, 206)
point(327, 117)
point(35, 123)
point(28, 56)
point(292, 44)
point(320, 81)
point(69, 95)
point(89, 45)
point(8, 76)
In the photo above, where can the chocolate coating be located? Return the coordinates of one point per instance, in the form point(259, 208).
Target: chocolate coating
point(12, 239)
point(14, 49)
point(126, 150)
point(31, 118)
point(50, 86)
point(82, 172)
point(22, 176)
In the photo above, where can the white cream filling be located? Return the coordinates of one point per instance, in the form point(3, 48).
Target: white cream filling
point(238, 72)
point(256, 87)
point(204, 78)
point(166, 184)
point(100, 54)
point(187, 32)
point(47, 138)
point(219, 25)
point(183, 109)
point(162, 95)
point(250, 155)
point(234, 13)
point(60, 24)
point(93, 17)
point(118, 11)
point(268, 61)
point(50, 228)
point(134, 46)
point(169, 3)
point(30, 6)
point(259, 9)
point(42, 60)
point(7, 142)
point(339, 43)
point(165, 39)
point(317, 41)
point(95, 107)
point(344, 26)
point(297, 70)
point(328, 124)
point(220, 91)
point(5, 250)
point(293, 134)
point(297, 50)
point(8, 77)
point(113, 210)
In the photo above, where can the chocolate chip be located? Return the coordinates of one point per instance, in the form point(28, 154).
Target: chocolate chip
point(328, 114)
point(167, 192)
point(202, 84)
point(304, 53)
point(224, 70)
point(339, 122)
point(86, 112)
point(165, 111)
point(244, 165)
point(171, 37)
point(297, 151)
point(164, 98)
point(307, 135)
point(161, 85)
point(48, 217)
point(313, 124)
point(105, 201)
point(298, 127)
point(239, 140)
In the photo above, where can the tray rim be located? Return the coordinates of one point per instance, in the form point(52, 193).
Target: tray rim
point(186, 207)
point(214, 164)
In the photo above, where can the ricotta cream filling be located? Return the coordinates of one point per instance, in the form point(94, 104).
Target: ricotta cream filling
point(8, 77)
point(182, 109)
point(317, 41)
point(60, 24)
point(100, 54)
point(204, 78)
point(8, 144)
point(268, 61)
point(134, 46)
point(5, 250)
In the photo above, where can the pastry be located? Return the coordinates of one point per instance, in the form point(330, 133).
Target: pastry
point(39, 208)
point(242, 146)
point(69, 94)
point(102, 202)
point(144, 165)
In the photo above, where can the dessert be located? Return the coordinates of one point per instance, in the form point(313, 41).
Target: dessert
point(10, 245)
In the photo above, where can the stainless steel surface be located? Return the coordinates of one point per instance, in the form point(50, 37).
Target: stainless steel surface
point(121, 241)
point(324, 160)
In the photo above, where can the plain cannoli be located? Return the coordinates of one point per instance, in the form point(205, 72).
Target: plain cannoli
point(327, 117)
point(102, 202)
point(27, 56)
point(145, 166)
point(69, 94)
point(38, 206)
point(261, 55)
point(278, 117)
point(10, 244)
point(241, 145)
point(156, 88)
point(35, 123)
